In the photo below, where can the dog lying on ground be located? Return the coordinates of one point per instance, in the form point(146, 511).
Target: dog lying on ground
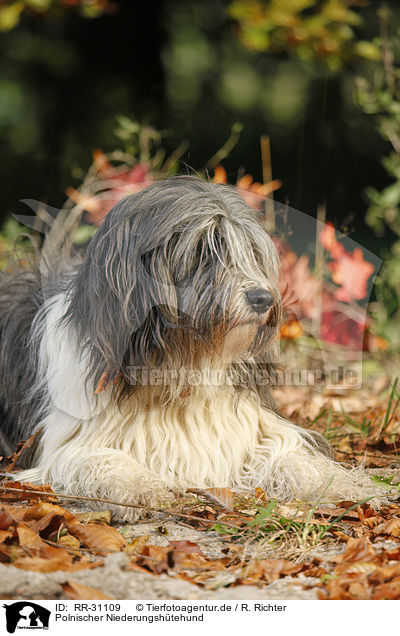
point(138, 362)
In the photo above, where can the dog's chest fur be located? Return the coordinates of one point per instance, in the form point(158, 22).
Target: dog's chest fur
point(206, 440)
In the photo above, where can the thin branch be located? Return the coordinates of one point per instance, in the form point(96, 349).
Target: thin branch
point(170, 513)
point(394, 458)
point(319, 270)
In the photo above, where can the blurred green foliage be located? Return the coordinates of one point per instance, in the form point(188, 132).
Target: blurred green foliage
point(379, 97)
point(309, 28)
point(12, 10)
point(184, 69)
point(323, 146)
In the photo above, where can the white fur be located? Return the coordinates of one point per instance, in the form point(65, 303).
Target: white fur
point(217, 438)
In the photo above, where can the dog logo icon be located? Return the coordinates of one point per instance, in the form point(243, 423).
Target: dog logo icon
point(26, 615)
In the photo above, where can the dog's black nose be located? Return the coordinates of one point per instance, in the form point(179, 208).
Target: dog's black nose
point(260, 300)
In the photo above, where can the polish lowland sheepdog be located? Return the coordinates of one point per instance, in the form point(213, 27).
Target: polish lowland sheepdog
point(139, 362)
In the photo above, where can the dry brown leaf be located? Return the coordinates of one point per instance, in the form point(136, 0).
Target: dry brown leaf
point(338, 589)
point(233, 520)
point(16, 513)
point(184, 561)
point(333, 513)
point(372, 522)
point(153, 558)
point(268, 570)
point(45, 517)
point(386, 573)
point(30, 550)
point(33, 553)
point(68, 541)
point(390, 528)
point(96, 516)
point(16, 491)
point(185, 546)
point(26, 530)
point(78, 592)
point(103, 539)
point(359, 590)
point(356, 550)
point(5, 534)
point(138, 568)
point(388, 591)
point(31, 541)
point(360, 567)
point(44, 509)
point(221, 496)
point(24, 450)
point(5, 520)
point(158, 559)
point(393, 555)
point(62, 561)
point(261, 494)
point(136, 546)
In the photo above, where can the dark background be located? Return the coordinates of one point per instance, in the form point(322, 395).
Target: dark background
point(180, 67)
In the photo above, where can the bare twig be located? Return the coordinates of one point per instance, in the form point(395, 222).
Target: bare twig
point(267, 178)
point(170, 513)
point(319, 270)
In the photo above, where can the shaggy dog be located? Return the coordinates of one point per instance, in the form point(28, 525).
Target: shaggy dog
point(144, 364)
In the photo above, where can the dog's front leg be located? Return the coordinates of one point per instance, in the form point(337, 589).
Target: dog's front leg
point(100, 473)
point(292, 463)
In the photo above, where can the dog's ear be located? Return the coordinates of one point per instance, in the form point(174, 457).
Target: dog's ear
point(121, 301)
point(149, 310)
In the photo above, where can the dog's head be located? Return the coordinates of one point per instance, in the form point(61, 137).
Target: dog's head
point(181, 274)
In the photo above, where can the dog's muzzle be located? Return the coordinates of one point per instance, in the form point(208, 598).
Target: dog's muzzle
point(260, 300)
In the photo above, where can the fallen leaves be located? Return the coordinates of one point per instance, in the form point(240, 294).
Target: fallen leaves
point(78, 592)
point(363, 573)
point(388, 528)
point(185, 559)
point(361, 425)
point(43, 536)
point(46, 537)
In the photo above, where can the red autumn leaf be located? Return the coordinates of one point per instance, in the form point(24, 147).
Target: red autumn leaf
point(297, 281)
point(253, 193)
point(113, 183)
point(330, 242)
point(351, 272)
point(337, 327)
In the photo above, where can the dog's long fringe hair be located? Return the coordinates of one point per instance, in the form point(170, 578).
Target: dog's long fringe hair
point(161, 289)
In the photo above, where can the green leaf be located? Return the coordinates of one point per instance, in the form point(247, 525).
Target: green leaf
point(84, 233)
point(367, 50)
point(9, 16)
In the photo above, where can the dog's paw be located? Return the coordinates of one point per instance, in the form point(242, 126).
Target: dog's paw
point(136, 504)
point(134, 500)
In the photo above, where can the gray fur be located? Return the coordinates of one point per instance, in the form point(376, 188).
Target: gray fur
point(166, 269)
